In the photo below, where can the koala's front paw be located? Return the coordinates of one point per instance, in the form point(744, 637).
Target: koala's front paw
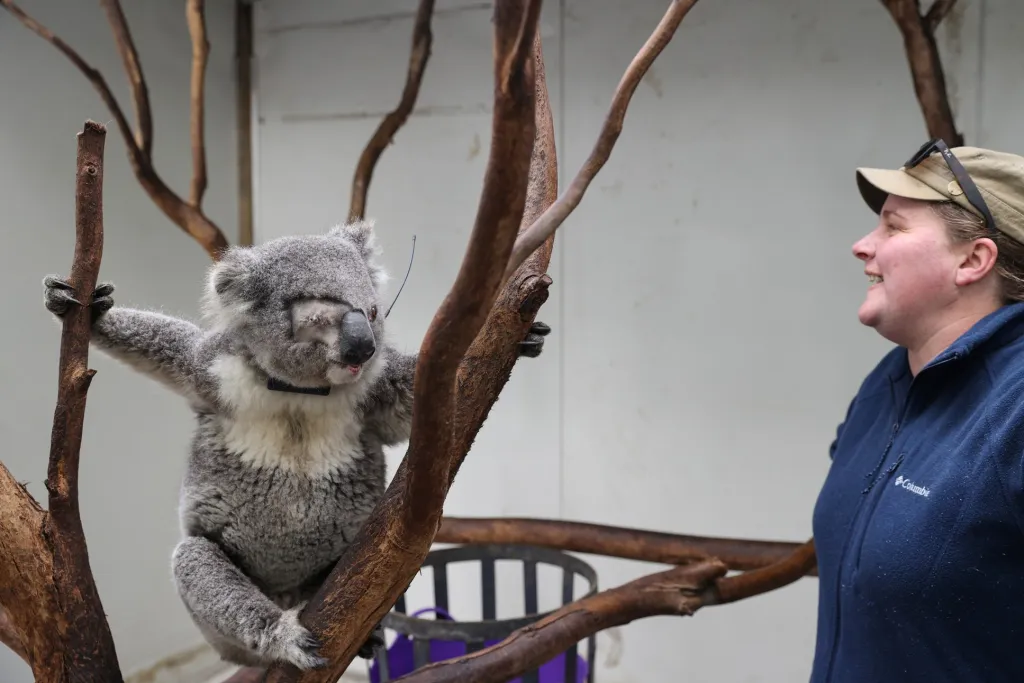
point(59, 295)
point(290, 641)
point(375, 641)
point(533, 344)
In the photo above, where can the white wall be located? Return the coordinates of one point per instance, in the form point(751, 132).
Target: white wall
point(696, 388)
point(136, 432)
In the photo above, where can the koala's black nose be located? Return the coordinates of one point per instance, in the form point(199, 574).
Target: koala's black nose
point(357, 345)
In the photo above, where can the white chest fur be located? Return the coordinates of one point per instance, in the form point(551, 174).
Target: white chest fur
point(313, 435)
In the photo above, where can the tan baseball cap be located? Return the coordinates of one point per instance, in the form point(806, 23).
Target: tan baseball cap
point(998, 175)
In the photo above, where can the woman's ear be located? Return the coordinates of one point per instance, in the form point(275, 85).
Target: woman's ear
point(978, 260)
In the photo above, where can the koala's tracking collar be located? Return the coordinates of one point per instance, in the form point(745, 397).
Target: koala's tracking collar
point(278, 385)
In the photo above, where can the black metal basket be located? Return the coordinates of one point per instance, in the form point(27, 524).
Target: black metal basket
point(476, 633)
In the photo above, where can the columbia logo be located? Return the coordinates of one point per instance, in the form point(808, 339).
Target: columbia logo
point(912, 487)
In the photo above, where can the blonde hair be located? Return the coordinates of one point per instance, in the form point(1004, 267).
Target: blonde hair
point(964, 226)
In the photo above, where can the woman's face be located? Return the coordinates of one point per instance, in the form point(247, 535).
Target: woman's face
point(914, 272)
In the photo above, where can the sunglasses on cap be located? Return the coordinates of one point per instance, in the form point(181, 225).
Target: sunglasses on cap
point(959, 172)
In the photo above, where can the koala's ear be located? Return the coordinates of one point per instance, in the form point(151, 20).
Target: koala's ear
point(361, 234)
point(228, 276)
point(229, 285)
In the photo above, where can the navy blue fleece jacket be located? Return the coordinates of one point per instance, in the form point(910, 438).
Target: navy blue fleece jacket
point(919, 527)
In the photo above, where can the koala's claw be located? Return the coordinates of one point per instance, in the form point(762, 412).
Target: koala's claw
point(291, 641)
point(59, 295)
point(533, 344)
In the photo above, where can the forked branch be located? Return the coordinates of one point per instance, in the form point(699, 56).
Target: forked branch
point(392, 544)
point(937, 12)
point(422, 39)
point(925, 65)
point(52, 613)
point(551, 219)
point(186, 216)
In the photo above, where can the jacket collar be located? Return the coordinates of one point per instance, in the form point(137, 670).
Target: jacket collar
point(994, 330)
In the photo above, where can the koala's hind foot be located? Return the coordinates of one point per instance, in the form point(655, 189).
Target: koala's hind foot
point(59, 296)
point(288, 640)
point(234, 614)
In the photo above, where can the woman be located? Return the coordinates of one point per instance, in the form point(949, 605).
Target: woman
point(919, 527)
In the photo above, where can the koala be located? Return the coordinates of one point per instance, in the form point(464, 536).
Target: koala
point(295, 391)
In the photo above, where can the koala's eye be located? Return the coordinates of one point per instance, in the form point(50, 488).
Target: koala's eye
point(373, 313)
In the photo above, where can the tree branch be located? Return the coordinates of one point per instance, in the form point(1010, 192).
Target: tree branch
point(936, 13)
point(776, 575)
point(47, 589)
point(10, 636)
point(133, 67)
point(187, 217)
point(422, 39)
point(195, 15)
point(926, 69)
point(27, 594)
point(551, 219)
point(392, 544)
point(487, 365)
point(676, 591)
point(679, 591)
point(90, 646)
point(611, 541)
point(464, 311)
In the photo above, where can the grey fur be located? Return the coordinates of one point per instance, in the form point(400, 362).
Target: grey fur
point(277, 483)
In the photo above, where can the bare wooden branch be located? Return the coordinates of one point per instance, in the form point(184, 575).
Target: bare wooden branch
point(27, 595)
point(196, 17)
point(46, 586)
point(763, 579)
point(422, 39)
point(89, 647)
point(10, 635)
point(677, 591)
point(612, 541)
point(465, 310)
point(936, 13)
point(133, 67)
point(243, 114)
point(926, 70)
point(392, 544)
point(551, 219)
point(487, 365)
point(187, 217)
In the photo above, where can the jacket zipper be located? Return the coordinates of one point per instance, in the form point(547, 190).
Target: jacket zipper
point(856, 527)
